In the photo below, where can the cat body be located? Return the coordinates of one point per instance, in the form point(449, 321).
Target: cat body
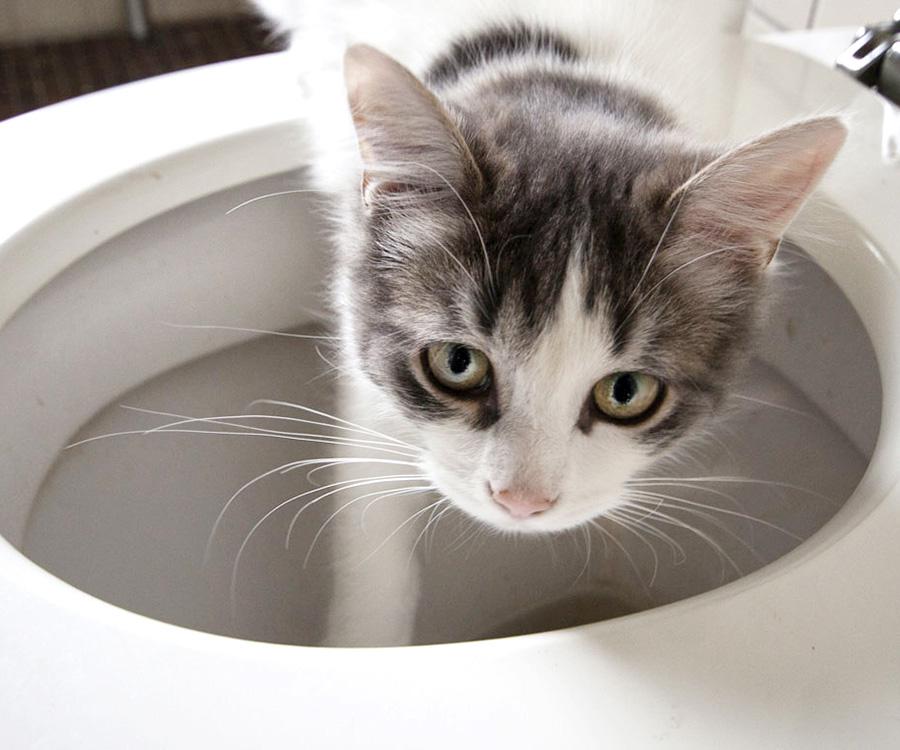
point(545, 284)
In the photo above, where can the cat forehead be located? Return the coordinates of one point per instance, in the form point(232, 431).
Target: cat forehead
point(494, 284)
point(574, 348)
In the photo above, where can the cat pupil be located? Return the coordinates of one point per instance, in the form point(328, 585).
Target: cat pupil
point(624, 388)
point(459, 360)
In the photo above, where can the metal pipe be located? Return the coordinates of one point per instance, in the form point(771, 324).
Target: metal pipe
point(137, 18)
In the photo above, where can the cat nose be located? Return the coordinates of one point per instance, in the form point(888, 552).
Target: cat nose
point(521, 503)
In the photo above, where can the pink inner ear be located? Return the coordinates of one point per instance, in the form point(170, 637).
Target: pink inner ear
point(406, 137)
point(754, 191)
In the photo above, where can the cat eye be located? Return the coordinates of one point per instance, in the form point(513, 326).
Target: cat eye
point(458, 367)
point(627, 396)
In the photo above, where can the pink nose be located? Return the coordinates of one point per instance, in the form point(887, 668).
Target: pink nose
point(521, 503)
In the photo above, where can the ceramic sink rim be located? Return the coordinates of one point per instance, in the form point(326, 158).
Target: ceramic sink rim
point(254, 130)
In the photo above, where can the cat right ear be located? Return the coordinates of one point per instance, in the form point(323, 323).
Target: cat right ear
point(407, 140)
point(751, 193)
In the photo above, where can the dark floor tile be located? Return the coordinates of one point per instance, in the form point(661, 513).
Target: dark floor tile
point(35, 75)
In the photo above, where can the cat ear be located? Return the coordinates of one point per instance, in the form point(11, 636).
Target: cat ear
point(750, 194)
point(406, 138)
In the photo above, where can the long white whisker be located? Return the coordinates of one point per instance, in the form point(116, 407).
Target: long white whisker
point(269, 195)
point(666, 518)
point(636, 306)
point(295, 438)
point(641, 516)
point(229, 420)
point(400, 528)
point(240, 329)
point(624, 522)
point(430, 540)
point(330, 463)
point(612, 537)
point(241, 489)
point(232, 590)
point(423, 532)
point(587, 553)
point(713, 521)
point(309, 410)
point(335, 488)
point(733, 480)
point(779, 407)
point(284, 468)
point(381, 494)
point(466, 533)
point(260, 522)
point(725, 511)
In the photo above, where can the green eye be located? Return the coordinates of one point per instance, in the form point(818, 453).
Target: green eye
point(458, 367)
point(627, 396)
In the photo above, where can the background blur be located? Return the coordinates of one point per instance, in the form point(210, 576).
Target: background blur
point(55, 49)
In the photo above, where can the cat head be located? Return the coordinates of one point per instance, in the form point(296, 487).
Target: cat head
point(555, 301)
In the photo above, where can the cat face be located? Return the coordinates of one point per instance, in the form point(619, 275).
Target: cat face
point(555, 296)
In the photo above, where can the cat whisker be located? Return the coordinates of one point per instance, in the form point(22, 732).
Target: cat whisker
point(647, 481)
point(230, 420)
point(237, 560)
point(381, 495)
point(779, 407)
point(215, 527)
point(424, 531)
point(239, 329)
point(458, 262)
point(476, 542)
point(319, 439)
point(400, 528)
point(625, 523)
point(333, 368)
point(666, 518)
point(334, 372)
point(499, 253)
point(311, 438)
point(720, 551)
point(429, 541)
point(283, 469)
point(697, 488)
point(612, 538)
point(641, 517)
point(724, 511)
point(587, 554)
point(309, 410)
point(336, 487)
point(345, 460)
point(270, 195)
point(468, 531)
point(636, 306)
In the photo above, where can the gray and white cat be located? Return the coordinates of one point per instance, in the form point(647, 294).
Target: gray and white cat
point(544, 283)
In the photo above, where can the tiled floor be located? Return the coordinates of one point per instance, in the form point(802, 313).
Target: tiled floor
point(35, 75)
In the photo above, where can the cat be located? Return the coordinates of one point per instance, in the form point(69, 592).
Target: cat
point(545, 284)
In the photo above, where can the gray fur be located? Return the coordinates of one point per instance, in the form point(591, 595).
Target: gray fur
point(564, 156)
point(526, 197)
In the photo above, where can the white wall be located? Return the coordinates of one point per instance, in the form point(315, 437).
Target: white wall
point(27, 20)
point(781, 15)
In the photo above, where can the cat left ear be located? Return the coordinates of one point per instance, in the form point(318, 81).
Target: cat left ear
point(407, 140)
point(751, 194)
